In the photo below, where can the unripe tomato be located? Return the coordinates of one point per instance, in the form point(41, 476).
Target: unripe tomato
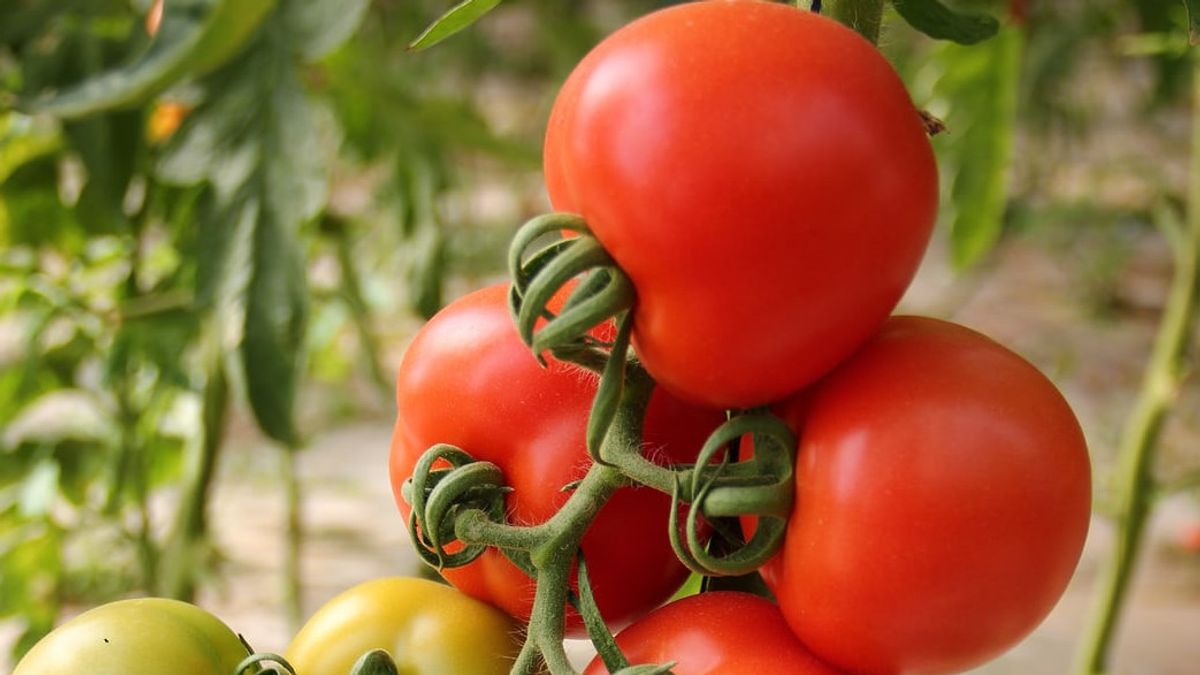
point(761, 175)
point(427, 627)
point(131, 637)
point(943, 494)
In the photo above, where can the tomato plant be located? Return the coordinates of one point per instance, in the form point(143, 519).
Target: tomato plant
point(135, 637)
point(942, 501)
point(717, 633)
point(761, 175)
point(468, 380)
point(427, 627)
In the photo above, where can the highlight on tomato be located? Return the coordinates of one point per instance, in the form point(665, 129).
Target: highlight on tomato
point(469, 381)
point(763, 178)
point(131, 637)
point(428, 629)
point(943, 492)
point(717, 633)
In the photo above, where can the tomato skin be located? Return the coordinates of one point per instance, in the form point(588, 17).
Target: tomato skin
point(718, 633)
point(427, 627)
point(468, 380)
point(134, 637)
point(943, 495)
point(764, 179)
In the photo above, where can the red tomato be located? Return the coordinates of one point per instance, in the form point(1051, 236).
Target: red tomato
point(761, 175)
point(942, 500)
point(719, 633)
point(468, 380)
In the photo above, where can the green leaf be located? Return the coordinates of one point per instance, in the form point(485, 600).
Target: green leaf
point(318, 27)
point(263, 144)
point(980, 84)
point(942, 23)
point(459, 17)
point(195, 37)
point(1193, 9)
point(272, 341)
point(108, 145)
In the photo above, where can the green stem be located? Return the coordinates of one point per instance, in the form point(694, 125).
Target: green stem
point(294, 538)
point(178, 567)
point(361, 313)
point(864, 16)
point(1139, 441)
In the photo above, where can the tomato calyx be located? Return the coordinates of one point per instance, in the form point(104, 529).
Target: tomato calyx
point(605, 292)
point(375, 662)
point(760, 486)
point(538, 275)
point(253, 664)
point(439, 495)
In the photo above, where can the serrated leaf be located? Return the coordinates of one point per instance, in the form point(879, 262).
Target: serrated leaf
point(320, 26)
point(940, 22)
point(273, 337)
point(1193, 9)
point(981, 85)
point(195, 37)
point(459, 17)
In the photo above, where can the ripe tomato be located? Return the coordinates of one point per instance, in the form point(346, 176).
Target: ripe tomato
point(468, 380)
point(428, 628)
point(942, 500)
point(761, 175)
point(130, 637)
point(718, 633)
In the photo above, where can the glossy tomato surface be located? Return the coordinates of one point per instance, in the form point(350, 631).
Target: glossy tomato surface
point(718, 633)
point(943, 493)
point(427, 627)
point(137, 637)
point(468, 380)
point(764, 179)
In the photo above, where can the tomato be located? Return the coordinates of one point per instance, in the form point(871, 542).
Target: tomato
point(134, 637)
point(468, 380)
point(718, 633)
point(942, 500)
point(761, 175)
point(428, 628)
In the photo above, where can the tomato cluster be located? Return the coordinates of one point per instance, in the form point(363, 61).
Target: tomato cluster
point(762, 179)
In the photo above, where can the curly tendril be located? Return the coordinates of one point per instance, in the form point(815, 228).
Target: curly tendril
point(760, 486)
point(439, 495)
point(603, 293)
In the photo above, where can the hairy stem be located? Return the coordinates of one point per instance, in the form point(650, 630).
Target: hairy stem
point(1139, 441)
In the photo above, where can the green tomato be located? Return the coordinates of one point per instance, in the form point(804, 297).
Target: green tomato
point(137, 637)
point(428, 628)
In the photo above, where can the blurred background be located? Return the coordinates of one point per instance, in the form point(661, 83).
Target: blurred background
point(211, 261)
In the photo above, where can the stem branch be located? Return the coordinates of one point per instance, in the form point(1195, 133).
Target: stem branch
point(1139, 442)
